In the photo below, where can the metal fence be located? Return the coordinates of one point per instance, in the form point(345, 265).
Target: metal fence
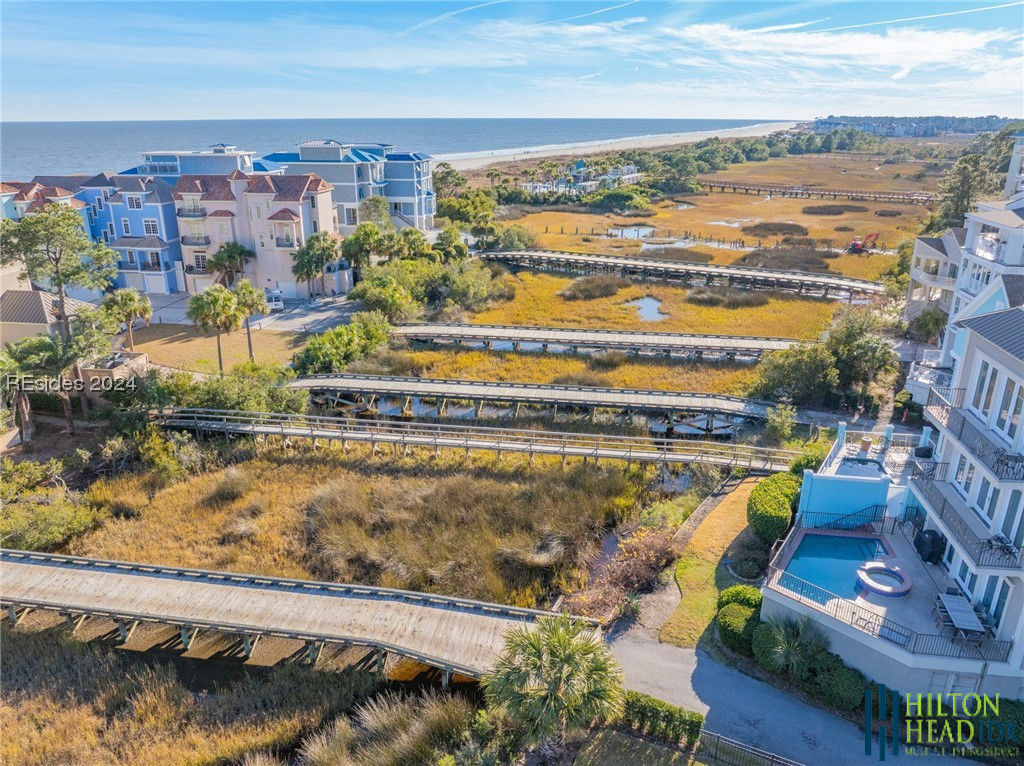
point(715, 749)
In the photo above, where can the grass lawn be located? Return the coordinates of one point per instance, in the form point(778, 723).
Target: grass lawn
point(721, 378)
point(722, 216)
point(608, 747)
point(185, 347)
point(537, 302)
point(474, 527)
point(700, 573)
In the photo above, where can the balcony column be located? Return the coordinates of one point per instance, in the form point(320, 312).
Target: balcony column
point(841, 432)
point(887, 436)
point(926, 437)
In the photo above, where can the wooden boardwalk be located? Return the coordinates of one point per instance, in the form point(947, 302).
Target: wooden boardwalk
point(345, 387)
point(691, 274)
point(519, 337)
point(809, 192)
point(455, 635)
point(437, 436)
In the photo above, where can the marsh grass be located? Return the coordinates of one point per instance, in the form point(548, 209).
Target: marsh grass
point(728, 298)
point(232, 485)
point(537, 303)
point(834, 209)
point(599, 286)
point(797, 258)
point(67, 702)
point(450, 524)
point(774, 229)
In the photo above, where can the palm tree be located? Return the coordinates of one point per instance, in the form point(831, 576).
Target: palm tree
point(251, 300)
point(10, 371)
point(215, 309)
point(794, 643)
point(310, 259)
point(127, 304)
point(229, 260)
point(493, 175)
point(46, 356)
point(555, 679)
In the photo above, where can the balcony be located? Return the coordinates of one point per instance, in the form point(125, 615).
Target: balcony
point(190, 240)
point(990, 248)
point(984, 549)
point(284, 242)
point(945, 408)
point(191, 212)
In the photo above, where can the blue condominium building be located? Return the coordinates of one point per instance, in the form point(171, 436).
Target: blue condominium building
point(359, 171)
point(219, 159)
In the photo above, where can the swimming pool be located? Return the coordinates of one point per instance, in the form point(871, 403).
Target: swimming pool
point(831, 562)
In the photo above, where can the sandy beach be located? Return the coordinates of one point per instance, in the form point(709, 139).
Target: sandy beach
point(473, 160)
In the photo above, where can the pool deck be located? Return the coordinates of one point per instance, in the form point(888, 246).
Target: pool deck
point(915, 609)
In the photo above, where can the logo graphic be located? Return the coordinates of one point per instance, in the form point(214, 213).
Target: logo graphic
point(888, 721)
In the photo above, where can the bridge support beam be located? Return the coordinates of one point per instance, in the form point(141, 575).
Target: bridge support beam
point(441, 406)
point(313, 649)
point(249, 644)
point(382, 658)
point(125, 630)
point(446, 678)
point(188, 635)
point(15, 617)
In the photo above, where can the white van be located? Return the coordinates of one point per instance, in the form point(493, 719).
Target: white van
point(275, 301)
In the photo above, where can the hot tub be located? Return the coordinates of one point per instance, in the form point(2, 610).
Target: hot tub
point(884, 579)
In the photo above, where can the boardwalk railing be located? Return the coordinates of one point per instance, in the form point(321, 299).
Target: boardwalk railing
point(251, 588)
point(775, 279)
point(498, 440)
point(807, 192)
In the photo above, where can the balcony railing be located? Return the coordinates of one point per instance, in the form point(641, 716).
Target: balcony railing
point(126, 266)
point(191, 240)
point(284, 242)
point(945, 407)
point(881, 627)
point(191, 212)
point(930, 482)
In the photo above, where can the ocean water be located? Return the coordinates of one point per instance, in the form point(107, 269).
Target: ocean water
point(31, 148)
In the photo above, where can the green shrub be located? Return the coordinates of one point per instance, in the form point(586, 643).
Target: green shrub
point(747, 595)
point(762, 643)
point(842, 688)
point(770, 506)
point(770, 229)
point(653, 717)
point(333, 349)
point(812, 456)
point(833, 209)
point(232, 486)
point(609, 360)
point(736, 624)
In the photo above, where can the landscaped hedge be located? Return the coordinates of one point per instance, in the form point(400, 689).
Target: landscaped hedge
point(747, 595)
point(828, 679)
point(770, 506)
point(762, 643)
point(655, 718)
point(736, 624)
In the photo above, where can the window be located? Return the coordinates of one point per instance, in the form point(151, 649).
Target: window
point(1013, 524)
point(964, 476)
point(350, 216)
point(950, 550)
point(984, 388)
point(200, 260)
point(953, 270)
point(314, 227)
point(134, 203)
point(126, 228)
point(223, 230)
point(93, 210)
point(967, 578)
point(312, 201)
point(99, 201)
point(988, 498)
point(110, 229)
point(1008, 419)
point(149, 226)
point(990, 592)
point(1004, 592)
point(154, 259)
point(106, 194)
point(131, 257)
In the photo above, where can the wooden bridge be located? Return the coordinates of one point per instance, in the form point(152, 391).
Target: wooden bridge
point(348, 389)
point(437, 436)
point(691, 274)
point(736, 186)
point(574, 340)
point(453, 634)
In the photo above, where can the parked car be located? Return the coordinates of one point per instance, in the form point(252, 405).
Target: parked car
point(275, 300)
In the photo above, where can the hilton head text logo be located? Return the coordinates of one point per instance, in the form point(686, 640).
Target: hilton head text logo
point(938, 724)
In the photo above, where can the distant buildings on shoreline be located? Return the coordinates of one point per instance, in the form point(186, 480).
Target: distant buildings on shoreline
point(918, 127)
point(166, 216)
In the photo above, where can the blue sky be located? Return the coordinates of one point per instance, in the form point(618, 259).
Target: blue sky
point(602, 58)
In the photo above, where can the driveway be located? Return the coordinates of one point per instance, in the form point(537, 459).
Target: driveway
point(743, 708)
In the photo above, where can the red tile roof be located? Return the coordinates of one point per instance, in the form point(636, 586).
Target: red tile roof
point(222, 214)
point(236, 175)
point(209, 187)
point(284, 215)
point(287, 188)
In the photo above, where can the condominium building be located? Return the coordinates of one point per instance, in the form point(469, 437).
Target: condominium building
point(271, 215)
point(360, 171)
point(219, 159)
point(990, 247)
point(908, 553)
